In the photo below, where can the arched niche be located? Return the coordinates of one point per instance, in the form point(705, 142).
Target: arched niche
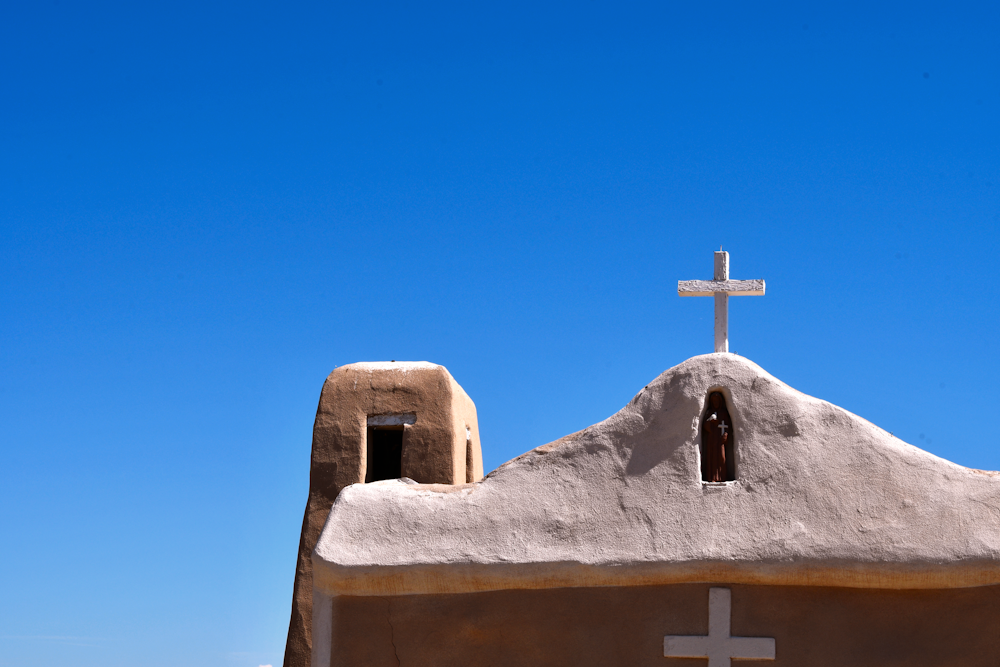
point(729, 425)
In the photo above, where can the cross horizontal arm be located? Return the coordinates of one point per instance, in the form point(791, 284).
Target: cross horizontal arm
point(752, 648)
point(685, 646)
point(712, 287)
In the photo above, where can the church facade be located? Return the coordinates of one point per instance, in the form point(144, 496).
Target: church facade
point(721, 516)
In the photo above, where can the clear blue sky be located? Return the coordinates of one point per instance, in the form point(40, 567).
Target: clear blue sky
point(206, 207)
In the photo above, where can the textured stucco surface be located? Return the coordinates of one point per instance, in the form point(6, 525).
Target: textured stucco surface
point(822, 497)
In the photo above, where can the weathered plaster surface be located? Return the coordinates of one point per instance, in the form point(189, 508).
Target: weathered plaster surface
point(822, 497)
point(401, 366)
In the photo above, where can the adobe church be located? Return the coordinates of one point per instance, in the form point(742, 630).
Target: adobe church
point(721, 516)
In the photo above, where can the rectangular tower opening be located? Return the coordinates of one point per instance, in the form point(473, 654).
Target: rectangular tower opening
point(385, 453)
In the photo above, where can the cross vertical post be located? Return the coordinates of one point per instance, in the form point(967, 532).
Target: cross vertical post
point(721, 303)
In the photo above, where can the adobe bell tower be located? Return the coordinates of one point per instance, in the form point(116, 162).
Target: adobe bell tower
point(379, 420)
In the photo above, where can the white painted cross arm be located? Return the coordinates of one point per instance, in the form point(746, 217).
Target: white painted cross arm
point(713, 287)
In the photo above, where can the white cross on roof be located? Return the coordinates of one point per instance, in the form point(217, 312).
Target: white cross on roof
point(721, 288)
point(718, 646)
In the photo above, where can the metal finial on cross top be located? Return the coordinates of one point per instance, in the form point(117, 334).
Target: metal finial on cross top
point(721, 288)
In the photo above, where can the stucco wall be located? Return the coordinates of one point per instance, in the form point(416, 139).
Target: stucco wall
point(813, 626)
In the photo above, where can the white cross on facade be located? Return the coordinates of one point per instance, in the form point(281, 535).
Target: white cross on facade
point(723, 427)
point(718, 646)
point(721, 288)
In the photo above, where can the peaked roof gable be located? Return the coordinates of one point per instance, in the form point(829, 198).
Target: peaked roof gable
point(822, 497)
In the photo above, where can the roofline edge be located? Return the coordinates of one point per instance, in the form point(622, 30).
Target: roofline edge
point(429, 579)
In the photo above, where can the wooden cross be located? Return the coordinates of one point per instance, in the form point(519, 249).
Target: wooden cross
point(718, 646)
point(721, 288)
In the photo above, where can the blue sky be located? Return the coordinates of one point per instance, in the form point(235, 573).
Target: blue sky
point(205, 208)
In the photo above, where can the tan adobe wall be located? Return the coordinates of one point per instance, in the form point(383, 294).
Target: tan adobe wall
point(607, 627)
